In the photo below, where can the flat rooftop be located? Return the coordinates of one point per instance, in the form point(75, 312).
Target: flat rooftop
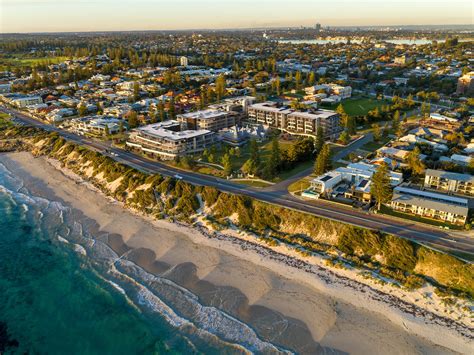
point(204, 114)
point(161, 130)
point(271, 107)
point(433, 196)
point(450, 176)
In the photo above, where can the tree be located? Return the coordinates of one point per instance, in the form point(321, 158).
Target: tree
point(342, 113)
point(298, 79)
point(380, 187)
point(133, 119)
point(274, 160)
point(171, 108)
point(121, 127)
point(414, 162)
point(220, 87)
point(396, 122)
point(376, 132)
point(311, 79)
point(161, 111)
point(323, 161)
point(351, 125)
point(252, 165)
point(227, 164)
point(254, 152)
point(152, 115)
point(82, 109)
point(318, 144)
point(106, 130)
point(136, 90)
point(344, 138)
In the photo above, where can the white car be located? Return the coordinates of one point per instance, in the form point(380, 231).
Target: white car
point(178, 177)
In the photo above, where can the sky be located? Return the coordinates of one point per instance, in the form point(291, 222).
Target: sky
point(110, 15)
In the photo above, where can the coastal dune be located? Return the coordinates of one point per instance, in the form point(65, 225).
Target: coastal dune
point(284, 307)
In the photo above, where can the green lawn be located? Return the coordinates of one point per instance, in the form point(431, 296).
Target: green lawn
point(359, 106)
point(252, 183)
point(300, 185)
point(28, 62)
point(297, 169)
point(373, 146)
point(5, 120)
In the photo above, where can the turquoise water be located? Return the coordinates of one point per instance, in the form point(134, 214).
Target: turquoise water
point(53, 300)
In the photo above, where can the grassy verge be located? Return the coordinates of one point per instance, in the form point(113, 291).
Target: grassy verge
point(299, 185)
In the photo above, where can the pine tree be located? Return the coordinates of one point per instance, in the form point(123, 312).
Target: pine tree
point(323, 161)
point(414, 162)
point(351, 125)
point(311, 79)
point(318, 144)
point(220, 87)
point(274, 160)
point(376, 132)
point(227, 164)
point(171, 109)
point(133, 119)
point(136, 90)
point(106, 131)
point(380, 186)
point(152, 115)
point(396, 122)
point(344, 117)
point(82, 109)
point(161, 111)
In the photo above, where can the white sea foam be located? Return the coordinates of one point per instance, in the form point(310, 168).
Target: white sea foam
point(208, 319)
point(62, 240)
point(117, 287)
point(80, 249)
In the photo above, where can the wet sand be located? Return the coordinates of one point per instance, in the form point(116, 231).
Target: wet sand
point(282, 309)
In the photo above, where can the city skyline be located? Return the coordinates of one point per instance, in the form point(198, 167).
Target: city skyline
point(25, 16)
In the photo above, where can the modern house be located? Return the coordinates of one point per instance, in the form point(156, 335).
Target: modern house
point(166, 140)
point(302, 123)
point(357, 175)
point(98, 125)
point(453, 183)
point(431, 205)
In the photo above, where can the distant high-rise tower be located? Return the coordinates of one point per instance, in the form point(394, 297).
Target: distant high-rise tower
point(183, 61)
point(318, 27)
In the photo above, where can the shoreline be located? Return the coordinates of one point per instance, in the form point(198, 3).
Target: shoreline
point(338, 285)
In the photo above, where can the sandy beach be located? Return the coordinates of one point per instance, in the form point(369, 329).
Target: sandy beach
point(307, 312)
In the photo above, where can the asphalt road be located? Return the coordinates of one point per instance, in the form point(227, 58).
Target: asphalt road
point(421, 233)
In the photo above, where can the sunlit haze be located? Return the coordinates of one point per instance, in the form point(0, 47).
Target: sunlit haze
point(109, 15)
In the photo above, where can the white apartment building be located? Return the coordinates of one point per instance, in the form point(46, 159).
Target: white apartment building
point(212, 120)
point(454, 183)
point(295, 122)
point(22, 101)
point(165, 140)
point(430, 205)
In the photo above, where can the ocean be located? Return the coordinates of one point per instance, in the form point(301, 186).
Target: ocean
point(65, 291)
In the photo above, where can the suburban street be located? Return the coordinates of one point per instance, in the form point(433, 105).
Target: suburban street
point(278, 195)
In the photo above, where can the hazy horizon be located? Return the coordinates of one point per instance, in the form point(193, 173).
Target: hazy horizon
point(27, 16)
